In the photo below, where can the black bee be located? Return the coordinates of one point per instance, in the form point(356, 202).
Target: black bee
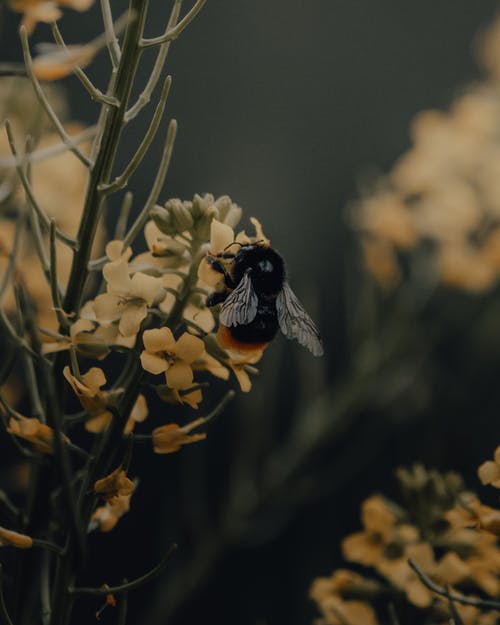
point(258, 301)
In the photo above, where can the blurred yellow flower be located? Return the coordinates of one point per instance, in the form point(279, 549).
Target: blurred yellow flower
point(8, 538)
point(82, 338)
point(169, 438)
point(138, 414)
point(489, 471)
point(114, 485)
point(41, 436)
point(56, 63)
point(107, 516)
point(92, 398)
point(46, 11)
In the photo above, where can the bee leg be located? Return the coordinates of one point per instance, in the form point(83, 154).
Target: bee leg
point(219, 267)
point(215, 298)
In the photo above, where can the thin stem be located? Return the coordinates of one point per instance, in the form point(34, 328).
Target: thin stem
point(45, 589)
point(122, 180)
point(122, 607)
point(95, 93)
point(11, 266)
point(43, 154)
point(211, 416)
point(108, 145)
point(128, 586)
point(49, 546)
point(121, 224)
point(109, 29)
point(486, 604)
point(29, 190)
point(13, 336)
point(4, 615)
point(157, 186)
point(145, 95)
point(45, 102)
point(172, 33)
point(54, 285)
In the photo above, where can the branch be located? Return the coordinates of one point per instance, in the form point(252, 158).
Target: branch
point(42, 154)
point(112, 41)
point(145, 95)
point(173, 33)
point(157, 186)
point(95, 93)
point(128, 586)
point(45, 102)
point(64, 238)
point(54, 285)
point(4, 615)
point(122, 180)
point(485, 604)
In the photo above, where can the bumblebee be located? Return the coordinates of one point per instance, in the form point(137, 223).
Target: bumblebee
point(257, 300)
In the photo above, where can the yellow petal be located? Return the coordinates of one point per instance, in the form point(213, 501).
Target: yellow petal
point(179, 375)
point(14, 539)
point(159, 340)
point(117, 276)
point(243, 378)
point(189, 347)
point(132, 317)
point(94, 378)
point(140, 410)
point(153, 363)
point(489, 472)
point(259, 233)
point(146, 287)
point(114, 251)
point(108, 307)
point(221, 235)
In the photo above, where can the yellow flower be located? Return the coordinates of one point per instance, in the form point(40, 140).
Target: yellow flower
point(165, 252)
point(199, 315)
point(386, 216)
point(163, 354)
point(8, 538)
point(138, 414)
point(82, 338)
point(114, 485)
point(92, 398)
point(381, 261)
point(41, 436)
point(489, 471)
point(107, 516)
point(221, 238)
point(46, 11)
point(208, 363)
point(127, 298)
point(192, 396)
point(56, 63)
point(168, 439)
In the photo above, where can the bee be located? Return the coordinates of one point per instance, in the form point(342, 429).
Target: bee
point(257, 300)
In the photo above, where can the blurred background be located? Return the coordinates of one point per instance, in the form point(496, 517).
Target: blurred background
point(295, 109)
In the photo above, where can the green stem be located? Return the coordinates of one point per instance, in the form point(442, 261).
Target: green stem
point(103, 166)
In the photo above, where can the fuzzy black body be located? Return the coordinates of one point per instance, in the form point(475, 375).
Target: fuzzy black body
point(257, 301)
point(268, 274)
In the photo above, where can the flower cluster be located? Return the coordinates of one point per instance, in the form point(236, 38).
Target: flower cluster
point(443, 538)
point(440, 203)
point(165, 287)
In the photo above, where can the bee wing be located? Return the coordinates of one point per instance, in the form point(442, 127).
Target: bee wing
point(295, 323)
point(240, 307)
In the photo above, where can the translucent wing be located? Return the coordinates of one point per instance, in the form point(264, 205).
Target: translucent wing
point(240, 307)
point(295, 323)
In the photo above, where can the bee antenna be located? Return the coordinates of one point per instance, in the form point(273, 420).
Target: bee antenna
point(233, 243)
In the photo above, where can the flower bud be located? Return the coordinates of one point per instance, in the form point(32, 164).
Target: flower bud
point(174, 218)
